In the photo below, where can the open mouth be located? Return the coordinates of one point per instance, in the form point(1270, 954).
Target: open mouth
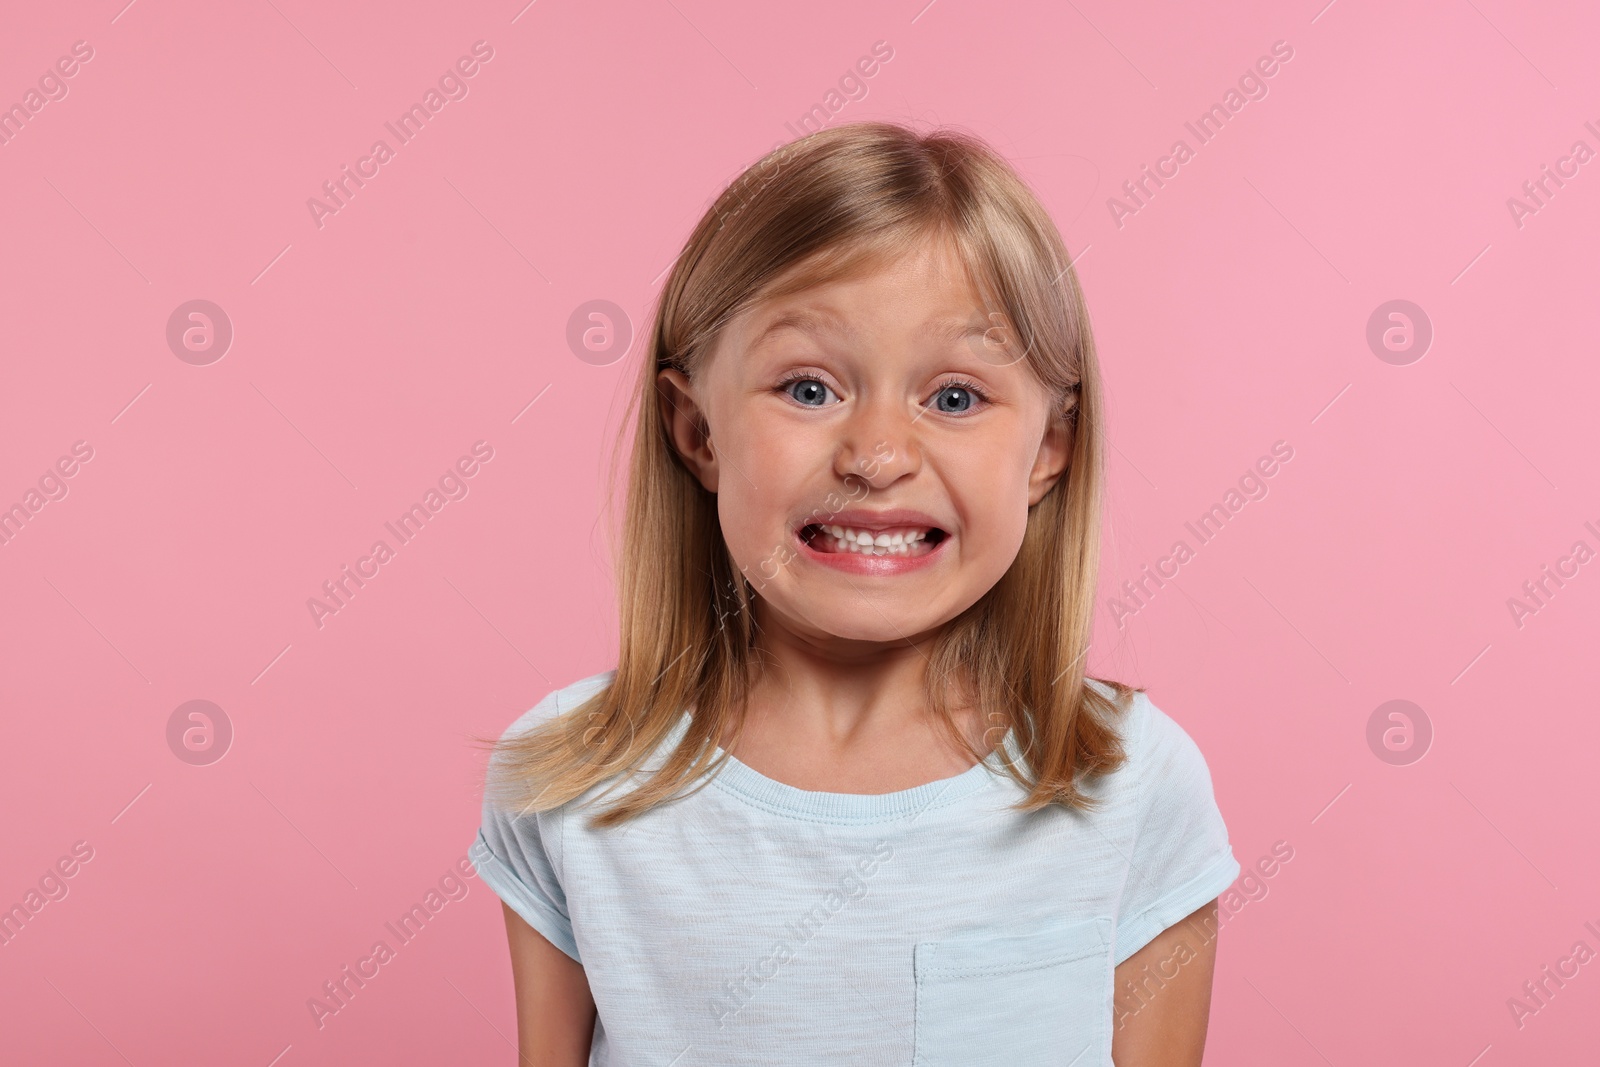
point(909, 541)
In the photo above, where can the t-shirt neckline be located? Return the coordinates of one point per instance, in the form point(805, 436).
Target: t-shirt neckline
point(751, 785)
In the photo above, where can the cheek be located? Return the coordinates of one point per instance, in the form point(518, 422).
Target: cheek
point(744, 525)
point(995, 533)
point(990, 487)
point(766, 473)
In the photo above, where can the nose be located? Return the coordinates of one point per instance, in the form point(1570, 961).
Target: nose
point(880, 444)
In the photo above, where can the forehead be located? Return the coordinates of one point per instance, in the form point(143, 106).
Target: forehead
point(822, 319)
point(929, 290)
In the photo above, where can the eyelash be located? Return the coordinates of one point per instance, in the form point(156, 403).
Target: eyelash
point(955, 383)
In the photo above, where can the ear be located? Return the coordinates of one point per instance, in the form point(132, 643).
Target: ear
point(687, 426)
point(1055, 456)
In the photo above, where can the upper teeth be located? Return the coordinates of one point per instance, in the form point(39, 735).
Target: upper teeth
point(877, 542)
point(881, 538)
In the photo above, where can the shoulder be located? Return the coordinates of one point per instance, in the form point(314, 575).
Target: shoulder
point(1156, 745)
point(558, 702)
point(1168, 763)
point(1132, 715)
point(1163, 737)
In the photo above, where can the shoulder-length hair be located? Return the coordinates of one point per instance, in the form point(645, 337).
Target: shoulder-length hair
point(814, 210)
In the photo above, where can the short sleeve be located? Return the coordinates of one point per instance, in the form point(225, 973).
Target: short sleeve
point(513, 854)
point(1180, 857)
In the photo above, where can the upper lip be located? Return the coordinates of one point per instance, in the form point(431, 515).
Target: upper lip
point(863, 519)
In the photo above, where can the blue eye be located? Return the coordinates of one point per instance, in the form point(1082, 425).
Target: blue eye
point(807, 391)
point(953, 399)
point(958, 398)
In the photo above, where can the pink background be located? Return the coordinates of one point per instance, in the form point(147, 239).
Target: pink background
point(427, 314)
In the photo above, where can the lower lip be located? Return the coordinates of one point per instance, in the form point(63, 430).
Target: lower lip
point(872, 566)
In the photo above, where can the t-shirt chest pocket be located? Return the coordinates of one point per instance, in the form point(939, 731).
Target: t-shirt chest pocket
point(1041, 997)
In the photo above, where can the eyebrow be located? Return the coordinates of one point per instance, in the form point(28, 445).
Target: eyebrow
point(805, 320)
point(826, 321)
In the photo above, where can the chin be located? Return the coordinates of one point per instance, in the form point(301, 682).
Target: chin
point(867, 621)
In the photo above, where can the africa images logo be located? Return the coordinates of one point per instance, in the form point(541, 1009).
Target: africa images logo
point(738, 992)
point(452, 85)
point(452, 485)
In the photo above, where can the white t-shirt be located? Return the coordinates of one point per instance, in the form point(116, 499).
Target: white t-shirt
point(754, 922)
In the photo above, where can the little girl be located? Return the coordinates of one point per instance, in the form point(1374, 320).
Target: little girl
point(861, 804)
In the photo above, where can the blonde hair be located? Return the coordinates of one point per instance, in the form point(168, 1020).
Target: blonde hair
point(817, 209)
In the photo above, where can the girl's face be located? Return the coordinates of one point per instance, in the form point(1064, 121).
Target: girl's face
point(880, 408)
